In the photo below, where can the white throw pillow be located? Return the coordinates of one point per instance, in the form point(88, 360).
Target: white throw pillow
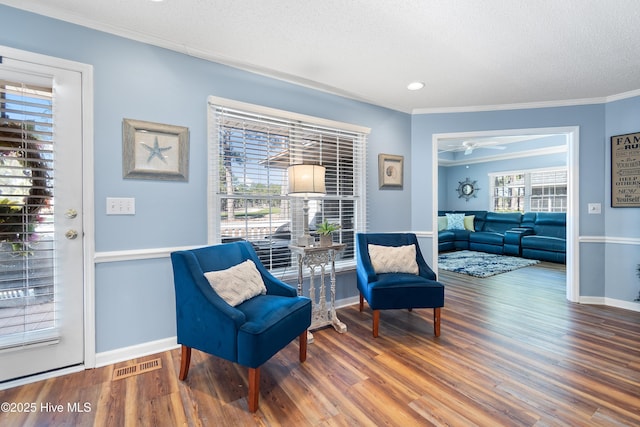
point(393, 259)
point(238, 283)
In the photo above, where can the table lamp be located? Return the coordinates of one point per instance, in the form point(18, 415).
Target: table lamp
point(306, 181)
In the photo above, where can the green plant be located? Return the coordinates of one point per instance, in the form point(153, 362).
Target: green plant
point(19, 211)
point(325, 228)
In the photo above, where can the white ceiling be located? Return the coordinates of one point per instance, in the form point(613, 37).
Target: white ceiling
point(471, 54)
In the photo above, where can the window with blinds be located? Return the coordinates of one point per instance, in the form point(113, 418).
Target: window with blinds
point(26, 209)
point(530, 191)
point(251, 148)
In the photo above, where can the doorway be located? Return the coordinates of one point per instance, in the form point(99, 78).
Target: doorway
point(44, 147)
point(571, 136)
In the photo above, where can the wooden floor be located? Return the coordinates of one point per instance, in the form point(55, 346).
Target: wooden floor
point(513, 352)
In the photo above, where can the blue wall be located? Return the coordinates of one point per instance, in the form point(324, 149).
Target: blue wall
point(623, 224)
point(480, 172)
point(590, 119)
point(134, 299)
point(607, 260)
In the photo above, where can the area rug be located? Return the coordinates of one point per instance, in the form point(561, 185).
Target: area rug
point(481, 264)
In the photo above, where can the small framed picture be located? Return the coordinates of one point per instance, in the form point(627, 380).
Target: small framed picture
point(390, 171)
point(154, 151)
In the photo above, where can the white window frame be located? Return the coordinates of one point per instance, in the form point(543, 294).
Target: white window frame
point(213, 196)
point(527, 185)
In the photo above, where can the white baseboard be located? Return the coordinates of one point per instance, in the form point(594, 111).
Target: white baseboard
point(152, 347)
point(611, 302)
point(145, 349)
point(347, 301)
point(135, 351)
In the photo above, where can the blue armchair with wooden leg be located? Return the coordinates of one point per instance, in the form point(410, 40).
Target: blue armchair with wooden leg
point(392, 274)
point(230, 306)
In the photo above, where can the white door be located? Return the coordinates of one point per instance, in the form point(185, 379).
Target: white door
point(41, 236)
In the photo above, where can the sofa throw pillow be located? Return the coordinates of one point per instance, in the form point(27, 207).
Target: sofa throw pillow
point(442, 223)
point(468, 222)
point(393, 259)
point(238, 283)
point(455, 221)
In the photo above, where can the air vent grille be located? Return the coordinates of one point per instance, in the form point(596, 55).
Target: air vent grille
point(139, 368)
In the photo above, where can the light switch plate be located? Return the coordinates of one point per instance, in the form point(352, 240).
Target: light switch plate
point(121, 206)
point(594, 208)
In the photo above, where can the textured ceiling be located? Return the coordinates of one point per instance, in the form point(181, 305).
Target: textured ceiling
point(469, 53)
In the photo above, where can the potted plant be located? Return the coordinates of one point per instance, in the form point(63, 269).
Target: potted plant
point(325, 228)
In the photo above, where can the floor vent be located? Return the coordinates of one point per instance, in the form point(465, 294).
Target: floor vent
point(139, 368)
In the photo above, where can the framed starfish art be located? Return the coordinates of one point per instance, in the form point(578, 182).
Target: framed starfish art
point(154, 151)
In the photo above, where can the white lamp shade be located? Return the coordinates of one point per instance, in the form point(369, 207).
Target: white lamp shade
point(306, 180)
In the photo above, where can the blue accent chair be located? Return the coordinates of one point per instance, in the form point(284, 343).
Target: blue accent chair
point(386, 291)
point(248, 334)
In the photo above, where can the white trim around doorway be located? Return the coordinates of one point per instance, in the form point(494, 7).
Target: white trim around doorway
point(572, 135)
point(86, 72)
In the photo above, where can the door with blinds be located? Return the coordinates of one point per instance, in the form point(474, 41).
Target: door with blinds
point(41, 238)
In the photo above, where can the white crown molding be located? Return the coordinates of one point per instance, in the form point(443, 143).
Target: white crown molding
point(624, 95)
point(520, 106)
point(530, 105)
point(510, 156)
point(55, 13)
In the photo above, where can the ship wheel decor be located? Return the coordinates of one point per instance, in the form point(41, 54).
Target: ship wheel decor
point(20, 154)
point(467, 189)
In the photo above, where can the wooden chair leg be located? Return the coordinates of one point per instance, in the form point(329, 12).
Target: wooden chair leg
point(376, 322)
point(254, 388)
point(361, 302)
point(436, 321)
point(303, 346)
point(185, 360)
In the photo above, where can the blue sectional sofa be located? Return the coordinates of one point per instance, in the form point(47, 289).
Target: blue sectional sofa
point(536, 235)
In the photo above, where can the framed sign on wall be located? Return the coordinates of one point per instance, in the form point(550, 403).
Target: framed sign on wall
point(625, 171)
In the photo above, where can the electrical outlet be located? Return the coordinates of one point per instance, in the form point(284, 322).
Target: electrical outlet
point(121, 206)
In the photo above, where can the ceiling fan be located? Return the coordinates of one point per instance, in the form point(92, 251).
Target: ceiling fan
point(470, 146)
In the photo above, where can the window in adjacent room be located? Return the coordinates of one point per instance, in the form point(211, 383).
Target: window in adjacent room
point(529, 191)
point(251, 148)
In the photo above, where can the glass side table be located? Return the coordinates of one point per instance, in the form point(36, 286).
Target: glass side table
point(318, 258)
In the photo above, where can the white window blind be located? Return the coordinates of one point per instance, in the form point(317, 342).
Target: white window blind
point(26, 210)
point(250, 150)
point(529, 191)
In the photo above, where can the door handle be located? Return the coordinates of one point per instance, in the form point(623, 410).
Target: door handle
point(71, 234)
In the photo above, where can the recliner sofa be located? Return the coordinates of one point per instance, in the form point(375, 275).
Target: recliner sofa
point(548, 241)
point(490, 238)
point(535, 235)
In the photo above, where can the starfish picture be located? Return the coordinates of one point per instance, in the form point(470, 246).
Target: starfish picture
point(156, 151)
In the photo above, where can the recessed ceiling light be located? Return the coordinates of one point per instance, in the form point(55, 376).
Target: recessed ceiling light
point(415, 85)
